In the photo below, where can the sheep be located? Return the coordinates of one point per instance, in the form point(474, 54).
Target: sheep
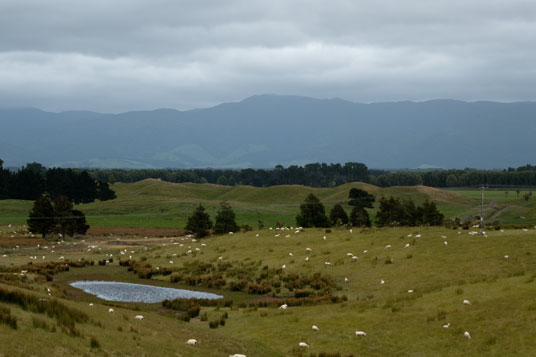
point(237, 355)
point(324, 237)
point(388, 246)
point(171, 262)
point(418, 236)
point(138, 317)
point(410, 291)
point(407, 245)
point(506, 257)
point(315, 328)
point(355, 258)
point(283, 307)
point(307, 249)
point(447, 325)
point(466, 302)
point(349, 255)
point(351, 231)
point(90, 304)
point(290, 254)
point(446, 243)
point(306, 259)
point(467, 335)
point(231, 232)
point(191, 342)
point(111, 311)
point(283, 266)
point(303, 345)
point(327, 263)
point(346, 280)
point(257, 235)
point(360, 333)
point(365, 251)
point(382, 282)
point(444, 237)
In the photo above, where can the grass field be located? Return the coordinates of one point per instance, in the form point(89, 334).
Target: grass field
point(501, 318)
point(153, 203)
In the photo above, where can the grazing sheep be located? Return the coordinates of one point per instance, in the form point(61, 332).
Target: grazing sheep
point(283, 266)
point(290, 254)
point(365, 251)
point(407, 245)
point(324, 237)
point(308, 249)
point(418, 236)
point(466, 302)
point(410, 291)
point(345, 280)
point(467, 335)
point(306, 259)
point(283, 307)
point(349, 255)
point(237, 355)
point(327, 263)
point(354, 257)
point(191, 342)
point(360, 333)
point(257, 235)
point(446, 243)
point(315, 328)
point(388, 246)
point(382, 282)
point(138, 317)
point(447, 325)
point(171, 262)
point(111, 311)
point(231, 232)
point(506, 257)
point(303, 345)
point(351, 231)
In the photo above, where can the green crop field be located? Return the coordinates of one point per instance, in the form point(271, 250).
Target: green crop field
point(153, 203)
point(426, 274)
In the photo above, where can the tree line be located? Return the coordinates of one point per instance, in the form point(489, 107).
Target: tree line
point(391, 212)
point(327, 175)
point(31, 181)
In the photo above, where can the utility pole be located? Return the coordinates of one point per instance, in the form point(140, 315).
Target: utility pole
point(482, 210)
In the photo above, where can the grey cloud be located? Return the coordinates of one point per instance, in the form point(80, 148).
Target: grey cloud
point(126, 55)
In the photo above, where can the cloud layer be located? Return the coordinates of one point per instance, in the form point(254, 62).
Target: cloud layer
point(132, 54)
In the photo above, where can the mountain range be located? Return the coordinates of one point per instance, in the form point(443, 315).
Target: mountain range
point(266, 130)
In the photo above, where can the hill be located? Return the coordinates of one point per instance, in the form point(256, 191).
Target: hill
point(264, 131)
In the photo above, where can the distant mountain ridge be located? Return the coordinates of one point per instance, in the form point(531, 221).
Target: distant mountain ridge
point(265, 130)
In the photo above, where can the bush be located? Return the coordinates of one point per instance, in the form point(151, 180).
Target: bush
point(7, 319)
point(214, 324)
point(94, 343)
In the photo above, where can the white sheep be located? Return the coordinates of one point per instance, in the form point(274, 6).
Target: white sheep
point(315, 328)
point(324, 237)
point(506, 257)
point(410, 291)
point(237, 355)
point(90, 304)
point(138, 317)
point(346, 280)
point(191, 342)
point(283, 266)
point(365, 251)
point(467, 335)
point(283, 307)
point(290, 254)
point(447, 325)
point(308, 249)
point(303, 345)
point(306, 259)
point(446, 243)
point(466, 302)
point(407, 245)
point(360, 333)
point(355, 258)
point(111, 311)
point(388, 246)
point(382, 282)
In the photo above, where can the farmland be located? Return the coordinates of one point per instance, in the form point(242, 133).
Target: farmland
point(329, 278)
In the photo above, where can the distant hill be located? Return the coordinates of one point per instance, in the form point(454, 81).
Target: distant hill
point(263, 131)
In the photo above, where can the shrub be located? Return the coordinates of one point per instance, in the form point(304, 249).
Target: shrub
point(214, 324)
point(7, 319)
point(94, 343)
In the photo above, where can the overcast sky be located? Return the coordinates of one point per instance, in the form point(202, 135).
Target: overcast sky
point(120, 55)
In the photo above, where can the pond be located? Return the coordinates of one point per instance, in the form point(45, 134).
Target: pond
point(127, 292)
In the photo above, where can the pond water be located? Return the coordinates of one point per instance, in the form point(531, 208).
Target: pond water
point(127, 292)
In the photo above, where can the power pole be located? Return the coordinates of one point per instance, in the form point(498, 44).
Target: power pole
point(482, 210)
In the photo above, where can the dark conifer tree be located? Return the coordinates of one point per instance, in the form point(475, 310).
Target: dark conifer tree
point(337, 215)
point(225, 220)
point(199, 223)
point(359, 217)
point(41, 219)
point(312, 213)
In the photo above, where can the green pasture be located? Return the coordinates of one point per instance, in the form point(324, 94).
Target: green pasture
point(154, 203)
point(501, 318)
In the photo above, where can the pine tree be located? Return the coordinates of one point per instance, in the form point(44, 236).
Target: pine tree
point(313, 213)
point(199, 223)
point(63, 211)
point(225, 220)
point(359, 217)
point(337, 215)
point(41, 219)
point(358, 197)
point(77, 224)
